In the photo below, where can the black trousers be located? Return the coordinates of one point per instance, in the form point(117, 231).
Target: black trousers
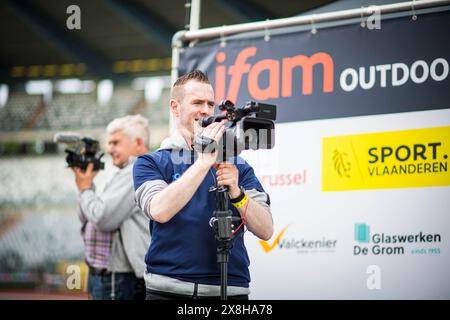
point(139, 289)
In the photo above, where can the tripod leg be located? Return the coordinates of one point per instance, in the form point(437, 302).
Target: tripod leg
point(222, 259)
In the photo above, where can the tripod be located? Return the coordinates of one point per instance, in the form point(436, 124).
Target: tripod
point(223, 231)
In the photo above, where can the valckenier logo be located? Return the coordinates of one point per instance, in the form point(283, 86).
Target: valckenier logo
point(397, 159)
point(269, 247)
point(300, 245)
point(393, 244)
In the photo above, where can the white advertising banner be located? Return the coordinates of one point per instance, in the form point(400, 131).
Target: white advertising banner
point(356, 244)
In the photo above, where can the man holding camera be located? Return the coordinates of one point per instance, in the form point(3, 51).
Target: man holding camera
point(172, 188)
point(114, 228)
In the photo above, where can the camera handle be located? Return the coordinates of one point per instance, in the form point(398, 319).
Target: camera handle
point(222, 224)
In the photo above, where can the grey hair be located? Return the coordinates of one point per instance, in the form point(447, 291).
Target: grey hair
point(135, 126)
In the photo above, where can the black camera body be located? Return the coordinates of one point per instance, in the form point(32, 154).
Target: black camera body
point(85, 153)
point(250, 127)
point(81, 150)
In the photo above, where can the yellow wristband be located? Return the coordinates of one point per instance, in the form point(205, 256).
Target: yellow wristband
point(242, 202)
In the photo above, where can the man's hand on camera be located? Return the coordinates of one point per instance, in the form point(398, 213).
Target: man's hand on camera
point(228, 175)
point(84, 179)
point(214, 131)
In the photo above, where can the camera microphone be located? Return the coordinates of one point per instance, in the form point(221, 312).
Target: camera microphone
point(206, 121)
point(67, 137)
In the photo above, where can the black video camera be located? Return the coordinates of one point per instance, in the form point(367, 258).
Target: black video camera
point(81, 151)
point(249, 127)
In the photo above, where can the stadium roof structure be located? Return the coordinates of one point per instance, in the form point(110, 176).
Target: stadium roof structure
point(117, 38)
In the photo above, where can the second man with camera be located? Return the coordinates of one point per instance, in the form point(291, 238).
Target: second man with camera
point(115, 231)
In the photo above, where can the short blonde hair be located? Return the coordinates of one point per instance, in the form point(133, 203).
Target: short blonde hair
point(178, 86)
point(135, 126)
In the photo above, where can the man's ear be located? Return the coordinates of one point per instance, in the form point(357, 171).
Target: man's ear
point(139, 142)
point(140, 146)
point(175, 107)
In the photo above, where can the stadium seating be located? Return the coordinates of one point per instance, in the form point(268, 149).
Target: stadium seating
point(80, 111)
point(41, 239)
point(47, 227)
point(14, 115)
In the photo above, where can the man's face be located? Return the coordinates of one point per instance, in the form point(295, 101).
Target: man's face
point(197, 102)
point(121, 147)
